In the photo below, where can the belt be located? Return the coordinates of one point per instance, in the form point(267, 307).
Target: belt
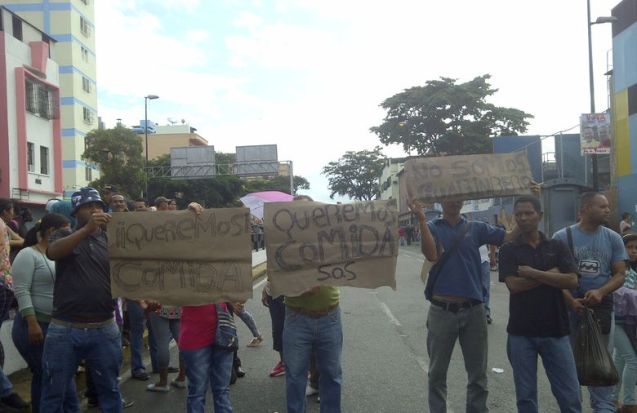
point(70, 324)
point(453, 306)
point(314, 313)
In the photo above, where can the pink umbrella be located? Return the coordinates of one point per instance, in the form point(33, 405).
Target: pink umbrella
point(255, 200)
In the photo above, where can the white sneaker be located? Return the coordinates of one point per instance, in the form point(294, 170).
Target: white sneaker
point(310, 391)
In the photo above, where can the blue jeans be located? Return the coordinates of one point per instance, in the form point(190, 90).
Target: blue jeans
point(32, 354)
point(203, 366)
point(64, 347)
point(601, 398)
point(559, 364)
point(163, 330)
point(485, 269)
point(625, 360)
point(324, 335)
point(137, 320)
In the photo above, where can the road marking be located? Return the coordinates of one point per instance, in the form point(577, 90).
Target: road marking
point(389, 314)
point(260, 283)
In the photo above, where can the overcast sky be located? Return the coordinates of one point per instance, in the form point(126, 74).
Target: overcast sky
point(308, 75)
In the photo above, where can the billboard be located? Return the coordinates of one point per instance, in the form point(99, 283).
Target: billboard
point(257, 160)
point(595, 133)
point(192, 161)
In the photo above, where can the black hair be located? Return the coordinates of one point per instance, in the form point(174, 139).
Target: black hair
point(303, 198)
point(5, 204)
point(587, 198)
point(626, 215)
point(141, 200)
point(534, 201)
point(55, 221)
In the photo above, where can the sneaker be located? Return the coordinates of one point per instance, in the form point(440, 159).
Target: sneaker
point(180, 384)
point(489, 319)
point(240, 372)
point(310, 391)
point(140, 375)
point(127, 403)
point(255, 342)
point(278, 370)
point(12, 403)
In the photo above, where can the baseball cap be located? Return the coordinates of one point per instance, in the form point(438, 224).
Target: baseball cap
point(85, 196)
point(161, 199)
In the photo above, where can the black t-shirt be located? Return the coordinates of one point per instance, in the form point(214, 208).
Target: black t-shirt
point(540, 311)
point(82, 284)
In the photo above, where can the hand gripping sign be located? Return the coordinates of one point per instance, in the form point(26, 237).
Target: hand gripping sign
point(466, 177)
point(180, 258)
point(310, 244)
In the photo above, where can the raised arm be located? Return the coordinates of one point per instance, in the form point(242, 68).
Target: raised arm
point(63, 247)
point(427, 242)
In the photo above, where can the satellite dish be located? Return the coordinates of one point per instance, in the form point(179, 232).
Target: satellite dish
point(171, 121)
point(183, 121)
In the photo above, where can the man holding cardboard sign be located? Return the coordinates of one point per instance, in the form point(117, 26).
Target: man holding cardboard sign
point(313, 248)
point(454, 289)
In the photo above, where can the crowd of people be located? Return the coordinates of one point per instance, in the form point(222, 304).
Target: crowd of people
point(58, 274)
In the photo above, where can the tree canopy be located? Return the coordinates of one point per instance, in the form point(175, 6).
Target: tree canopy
point(356, 174)
point(118, 153)
point(448, 118)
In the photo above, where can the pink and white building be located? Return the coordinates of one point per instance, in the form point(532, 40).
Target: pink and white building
point(30, 126)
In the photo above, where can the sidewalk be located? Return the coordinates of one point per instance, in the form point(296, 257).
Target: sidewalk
point(21, 378)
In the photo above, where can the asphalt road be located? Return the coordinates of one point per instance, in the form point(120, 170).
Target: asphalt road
point(384, 356)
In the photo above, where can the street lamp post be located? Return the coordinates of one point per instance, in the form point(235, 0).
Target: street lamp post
point(146, 98)
point(591, 81)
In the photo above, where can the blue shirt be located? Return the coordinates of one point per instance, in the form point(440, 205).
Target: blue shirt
point(461, 275)
point(595, 253)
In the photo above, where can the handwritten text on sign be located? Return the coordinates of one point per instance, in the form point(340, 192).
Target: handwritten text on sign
point(180, 258)
point(467, 176)
point(310, 244)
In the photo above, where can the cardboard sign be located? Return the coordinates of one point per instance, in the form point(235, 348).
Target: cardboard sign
point(179, 258)
point(310, 244)
point(466, 177)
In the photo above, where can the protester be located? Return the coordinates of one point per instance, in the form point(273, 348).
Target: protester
point(246, 317)
point(9, 399)
point(535, 270)
point(165, 326)
point(118, 203)
point(107, 193)
point(33, 278)
point(7, 214)
point(172, 205)
point(625, 357)
point(276, 308)
point(82, 325)
point(626, 224)
point(313, 323)
point(207, 363)
point(162, 203)
point(454, 288)
point(141, 205)
point(600, 260)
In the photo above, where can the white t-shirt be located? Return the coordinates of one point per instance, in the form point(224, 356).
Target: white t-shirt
point(484, 253)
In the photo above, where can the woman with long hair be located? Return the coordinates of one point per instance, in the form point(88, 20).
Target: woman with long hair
point(33, 279)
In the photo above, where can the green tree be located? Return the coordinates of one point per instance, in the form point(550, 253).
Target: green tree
point(356, 174)
point(118, 153)
point(278, 183)
point(217, 192)
point(448, 118)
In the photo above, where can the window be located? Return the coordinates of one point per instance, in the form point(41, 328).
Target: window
point(44, 160)
point(85, 2)
point(88, 115)
point(17, 28)
point(30, 157)
point(85, 27)
point(84, 53)
point(40, 100)
point(86, 84)
point(88, 174)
